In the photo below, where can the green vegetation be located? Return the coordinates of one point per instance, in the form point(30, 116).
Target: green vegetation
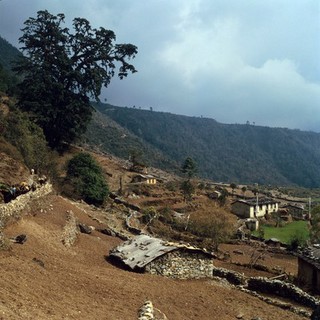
point(287, 233)
point(189, 168)
point(85, 180)
point(315, 224)
point(28, 140)
point(8, 79)
point(275, 156)
point(187, 189)
point(63, 70)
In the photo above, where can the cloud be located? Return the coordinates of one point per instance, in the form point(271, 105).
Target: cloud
point(229, 60)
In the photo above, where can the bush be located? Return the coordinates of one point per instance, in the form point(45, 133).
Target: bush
point(296, 241)
point(85, 179)
point(28, 139)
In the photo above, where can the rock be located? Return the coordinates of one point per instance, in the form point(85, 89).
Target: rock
point(108, 232)
point(240, 316)
point(39, 262)
point(21, 239)
point(84, 228)
point(238, 252)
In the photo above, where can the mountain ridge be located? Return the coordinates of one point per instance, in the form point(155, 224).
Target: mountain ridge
point(240, 153)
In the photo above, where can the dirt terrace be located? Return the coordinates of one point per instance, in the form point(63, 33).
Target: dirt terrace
point(42, 279)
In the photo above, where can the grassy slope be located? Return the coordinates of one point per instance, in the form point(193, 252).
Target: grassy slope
point(288, 231)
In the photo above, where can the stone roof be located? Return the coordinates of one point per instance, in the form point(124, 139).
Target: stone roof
point(142, 249)
point(311, 255)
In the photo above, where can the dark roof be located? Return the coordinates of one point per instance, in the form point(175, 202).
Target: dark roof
point(297, 206)
point(253, 201)
point(311, 255)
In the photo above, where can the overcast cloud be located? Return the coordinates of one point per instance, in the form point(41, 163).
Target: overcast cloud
point(231, 60)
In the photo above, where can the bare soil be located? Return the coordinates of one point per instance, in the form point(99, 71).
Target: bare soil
point(42, 279)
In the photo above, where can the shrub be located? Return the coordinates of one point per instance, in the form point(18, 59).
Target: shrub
point(85, 179)
point(28, 139)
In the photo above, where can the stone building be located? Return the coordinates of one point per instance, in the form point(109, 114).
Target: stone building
point(295, 209)
point(152, 255)
point(254, 208)
point(309, 268)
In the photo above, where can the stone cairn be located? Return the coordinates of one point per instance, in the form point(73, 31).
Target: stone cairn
point(148, 312)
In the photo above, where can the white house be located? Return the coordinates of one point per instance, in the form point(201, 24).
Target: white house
point(253, 208)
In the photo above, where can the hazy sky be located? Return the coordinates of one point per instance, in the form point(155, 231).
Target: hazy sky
point(231, 60)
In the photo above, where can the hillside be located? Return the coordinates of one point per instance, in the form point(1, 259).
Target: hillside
point(224, 152)
point(8, 53)
point(43, 278)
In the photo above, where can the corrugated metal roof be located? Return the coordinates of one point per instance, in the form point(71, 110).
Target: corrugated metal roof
point(141, 250)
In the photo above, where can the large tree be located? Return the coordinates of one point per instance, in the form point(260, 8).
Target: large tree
point(63, 71)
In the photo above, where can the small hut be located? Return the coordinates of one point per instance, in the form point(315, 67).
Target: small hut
point(144, 253)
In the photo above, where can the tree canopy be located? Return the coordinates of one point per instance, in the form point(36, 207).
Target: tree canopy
point(85, 177)
point(63, 70)
point(189, 167)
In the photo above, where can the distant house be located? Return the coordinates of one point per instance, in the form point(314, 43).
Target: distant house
point(142, 178)
point(140, 168)
point(152, 255)
point(309, 268)
point(214, 195)
point(296, 210)
point(251, 208)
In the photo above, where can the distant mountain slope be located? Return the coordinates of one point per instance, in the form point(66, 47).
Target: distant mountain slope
point(8, 54)
point(224, 152)
point(107, 135)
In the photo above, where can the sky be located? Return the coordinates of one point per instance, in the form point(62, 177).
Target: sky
point(230, 60)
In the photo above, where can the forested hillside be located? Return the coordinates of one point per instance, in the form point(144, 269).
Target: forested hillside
point(8, 54)
point(224, 152)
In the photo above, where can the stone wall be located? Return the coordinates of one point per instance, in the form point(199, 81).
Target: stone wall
point(70, 230)
point(232, 276)
point(148, 312)
point(182, 264)
point(14, 207)
point(282, 289)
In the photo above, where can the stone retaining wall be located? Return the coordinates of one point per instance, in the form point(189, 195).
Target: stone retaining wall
point(181, 264)
point(271, 287)
point(14, 207)
point(232, 276)
point(282, 289)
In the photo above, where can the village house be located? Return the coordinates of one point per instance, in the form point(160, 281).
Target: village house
point(141, 178)
point(156, 256)
point(295, 210)
point(309, 268)
point(254, 208)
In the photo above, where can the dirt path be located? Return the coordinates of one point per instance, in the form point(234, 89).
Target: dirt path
point(42, 279)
